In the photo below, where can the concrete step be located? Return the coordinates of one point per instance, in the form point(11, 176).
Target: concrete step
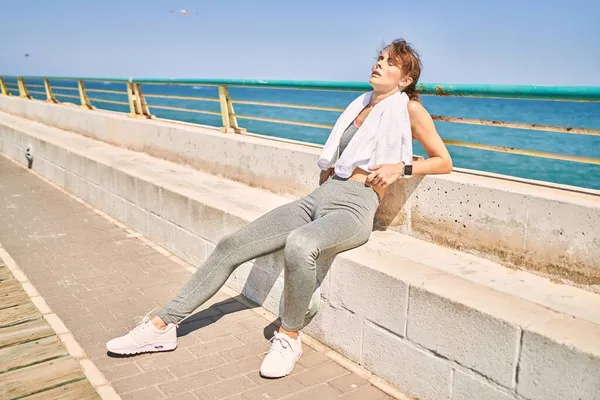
point(436, 322)
point(541, 227)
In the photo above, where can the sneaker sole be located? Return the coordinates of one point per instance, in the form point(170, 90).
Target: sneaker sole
point(150, 348)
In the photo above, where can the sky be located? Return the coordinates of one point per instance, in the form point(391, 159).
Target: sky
point(460, 41)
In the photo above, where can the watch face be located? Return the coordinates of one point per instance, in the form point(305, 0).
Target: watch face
point(408, 170)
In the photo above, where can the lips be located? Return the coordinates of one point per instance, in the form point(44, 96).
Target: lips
point(375, 73)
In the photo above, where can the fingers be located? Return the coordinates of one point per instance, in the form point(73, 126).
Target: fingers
point(377, 179)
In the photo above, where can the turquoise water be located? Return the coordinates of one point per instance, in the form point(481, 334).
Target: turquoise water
point(574, 114)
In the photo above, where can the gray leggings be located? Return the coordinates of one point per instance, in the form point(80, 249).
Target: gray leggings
point(335, 217)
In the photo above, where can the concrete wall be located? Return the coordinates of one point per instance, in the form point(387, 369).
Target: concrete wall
point(433, 334)
point(544, 229)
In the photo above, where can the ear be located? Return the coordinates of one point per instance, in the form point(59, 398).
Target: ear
point(405, 81)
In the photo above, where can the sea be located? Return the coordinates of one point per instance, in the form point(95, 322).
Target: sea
point(560, 113)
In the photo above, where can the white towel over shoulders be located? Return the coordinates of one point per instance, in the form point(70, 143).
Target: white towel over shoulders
point(384, 137)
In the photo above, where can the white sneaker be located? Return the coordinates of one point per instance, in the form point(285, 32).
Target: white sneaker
point(282, 357)
point(145, 338)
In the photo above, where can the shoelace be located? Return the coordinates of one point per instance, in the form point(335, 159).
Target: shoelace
point(142, 324)
point(279, 343)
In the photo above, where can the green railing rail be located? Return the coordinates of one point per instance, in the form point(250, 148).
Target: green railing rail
point(136, 101)
point(570, 93)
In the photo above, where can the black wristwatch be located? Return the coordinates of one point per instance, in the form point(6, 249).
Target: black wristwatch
point(407, 170)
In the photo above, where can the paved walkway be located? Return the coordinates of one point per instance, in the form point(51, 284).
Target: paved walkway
point(101, 281)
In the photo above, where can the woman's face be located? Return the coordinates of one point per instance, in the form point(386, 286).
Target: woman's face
point(386, 76)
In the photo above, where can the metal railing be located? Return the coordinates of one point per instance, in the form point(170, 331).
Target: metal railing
point(136, 101)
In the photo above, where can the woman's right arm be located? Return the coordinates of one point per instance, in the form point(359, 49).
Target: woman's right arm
point(325, 174)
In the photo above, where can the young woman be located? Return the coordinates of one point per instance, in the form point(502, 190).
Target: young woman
point(369, 148)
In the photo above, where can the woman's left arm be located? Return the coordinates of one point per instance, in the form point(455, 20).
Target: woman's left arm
point(423, 130)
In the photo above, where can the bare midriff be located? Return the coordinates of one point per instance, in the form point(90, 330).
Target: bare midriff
point(361, 176)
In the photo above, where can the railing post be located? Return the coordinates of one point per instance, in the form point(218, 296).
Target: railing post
point(137, 102)
point(131, 99)
point(142, 106)
point(232, 118)
point(226, 128)
point(3, 88)
point(23, 92)
point(83, 97)
point(230, 124)
point(49, 93)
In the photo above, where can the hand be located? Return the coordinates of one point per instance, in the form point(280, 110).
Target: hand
point(385, 174)
point(324, 175)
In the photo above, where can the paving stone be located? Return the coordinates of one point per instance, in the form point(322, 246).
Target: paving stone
point(101, 281)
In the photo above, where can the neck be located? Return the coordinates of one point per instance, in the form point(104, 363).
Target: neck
point(377, 97)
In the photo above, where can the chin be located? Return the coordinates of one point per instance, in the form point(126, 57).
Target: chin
point(378, 88)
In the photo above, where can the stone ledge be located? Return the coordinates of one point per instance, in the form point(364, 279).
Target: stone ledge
point(426, 314)
point(493, 216)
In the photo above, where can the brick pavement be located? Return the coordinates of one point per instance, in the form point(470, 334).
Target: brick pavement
point(101, 280)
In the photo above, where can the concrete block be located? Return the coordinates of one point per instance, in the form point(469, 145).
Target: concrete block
point(340, 329)
point(57, 155)
point(206, 221)
point(20, 139)
point(571, 246)
point(550, 370)
point(84, 191)
point(472, 338)
point(17, 153)
point(174, 207)
point(469, 216)
point(41, 166)
point(232, 223)
point(210, 247)
point(106, 177)
point(139, 136)
point(189, 246)
point(161, 232)
point(468, 386)
point(99, 198)
point(72, 183)
point(263, 284)
point(324, 277)
point(10, 144)
point(116, 207)
point(358, 287)
point(238, 279)
point(137, 218)
point(87, 123)
point(417, 372)
point(119, 208)
point(394, 210)
point(147, 196)
point(125, 186)
point(90, 171)
point(113, 205)
point(74, 163)
point(57, 175)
